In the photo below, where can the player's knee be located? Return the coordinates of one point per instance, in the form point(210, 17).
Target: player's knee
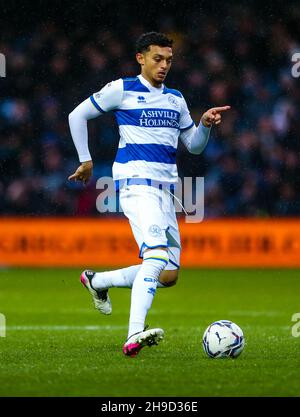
point(159, 257)
point(169, 278)
point(157, 248)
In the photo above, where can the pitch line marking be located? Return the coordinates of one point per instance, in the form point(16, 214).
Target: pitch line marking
point(64, 328)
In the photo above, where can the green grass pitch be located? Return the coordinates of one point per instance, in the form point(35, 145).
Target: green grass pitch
point(57, 344)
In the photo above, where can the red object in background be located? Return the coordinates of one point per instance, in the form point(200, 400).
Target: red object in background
point(109, 243)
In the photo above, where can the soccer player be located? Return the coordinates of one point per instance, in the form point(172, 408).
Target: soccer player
point(151, 118)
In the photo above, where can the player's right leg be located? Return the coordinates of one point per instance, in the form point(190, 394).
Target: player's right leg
point(98, 284)
point(100, 297)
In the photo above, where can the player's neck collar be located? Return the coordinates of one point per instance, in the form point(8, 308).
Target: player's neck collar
point(149, 85)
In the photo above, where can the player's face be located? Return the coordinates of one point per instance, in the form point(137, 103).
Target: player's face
point(156, 63)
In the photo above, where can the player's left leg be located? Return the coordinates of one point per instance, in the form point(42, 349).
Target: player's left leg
point(142, 297)
point(136, 341)
point(170, 274)
point(141, 205)
point(168, 278)
point(142, 294)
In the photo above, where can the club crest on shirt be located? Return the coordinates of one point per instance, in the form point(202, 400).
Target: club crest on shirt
point(154, 230)
point(173, 101)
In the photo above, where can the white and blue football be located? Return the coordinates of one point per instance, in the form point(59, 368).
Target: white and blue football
point(223, 339)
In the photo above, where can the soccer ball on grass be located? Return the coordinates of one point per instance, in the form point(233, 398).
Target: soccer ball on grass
point(223, 339)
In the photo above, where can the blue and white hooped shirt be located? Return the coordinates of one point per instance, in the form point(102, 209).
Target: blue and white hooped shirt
point(150, 121)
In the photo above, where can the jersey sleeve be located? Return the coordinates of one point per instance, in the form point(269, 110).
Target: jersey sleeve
point(185, 120)
point(109, 97)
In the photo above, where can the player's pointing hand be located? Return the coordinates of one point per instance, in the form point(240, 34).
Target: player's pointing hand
point(83, 172)
point(213, 116)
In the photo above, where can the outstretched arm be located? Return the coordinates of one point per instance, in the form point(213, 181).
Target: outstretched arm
point(195, 139)
point(213, 116)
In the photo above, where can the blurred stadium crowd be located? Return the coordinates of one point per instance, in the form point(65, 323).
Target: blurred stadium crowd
point(236, 56)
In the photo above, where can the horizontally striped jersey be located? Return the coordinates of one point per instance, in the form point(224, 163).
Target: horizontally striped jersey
point(150, 121)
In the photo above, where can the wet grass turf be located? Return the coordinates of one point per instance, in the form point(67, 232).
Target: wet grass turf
point(57, 344)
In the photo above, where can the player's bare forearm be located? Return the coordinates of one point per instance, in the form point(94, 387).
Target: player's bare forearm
point(83, 172)
point(213, 116)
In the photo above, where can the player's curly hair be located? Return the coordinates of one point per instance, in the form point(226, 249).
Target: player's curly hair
point(152, 38)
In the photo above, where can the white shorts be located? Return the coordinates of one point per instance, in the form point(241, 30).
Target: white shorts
point(151, 214)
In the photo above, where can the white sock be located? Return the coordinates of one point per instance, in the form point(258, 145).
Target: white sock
point(122, 278)
point(144, 288)
point(118, 278)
